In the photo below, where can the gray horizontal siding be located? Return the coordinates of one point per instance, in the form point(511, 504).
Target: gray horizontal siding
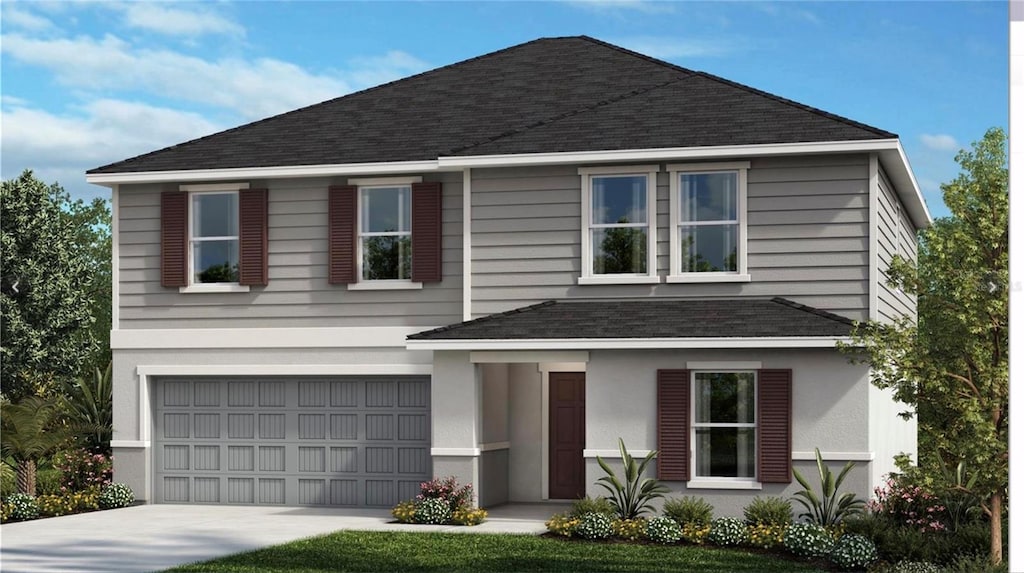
point(808, 229)
point(298, 294)
point(895, 237)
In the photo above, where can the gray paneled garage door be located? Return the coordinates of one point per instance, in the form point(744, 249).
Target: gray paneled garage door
point(351, 441)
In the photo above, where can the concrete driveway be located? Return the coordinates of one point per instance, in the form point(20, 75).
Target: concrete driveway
point(156, 537)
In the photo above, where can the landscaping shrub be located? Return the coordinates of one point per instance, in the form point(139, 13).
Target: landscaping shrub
point(593, 526)
point(633, 495)
point(404, 512)
point(898, 542)
point(908, 505)
point(768, 511)
point(22, 506)
point(80, 470)
point(562, 524)
point(853, 551)
point(688, 510)
point(975, 564)
point(727, 531)
point(468, 516)
point(48, 481)
point(629, 529)
point(828, 507)
point(448, 490)
point(591, 505)
point(913, 567)
point(808, 540)
point(116, 495)
point(68, 503)
point(663, 530)
point(433, 510)
point(695, 533)
point(766, 536)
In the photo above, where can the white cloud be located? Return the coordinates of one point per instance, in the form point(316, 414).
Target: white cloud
point(61, 147)
point(252, 88)
point(670, 48)
point(174, 20)
point(14, 16)
point(939, 142)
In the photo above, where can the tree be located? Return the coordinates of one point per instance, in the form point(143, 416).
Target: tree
point(29, 431)
point(623, 250)
point(45, 301)
point(91, 225)
point(87, 404)
point(952, 365)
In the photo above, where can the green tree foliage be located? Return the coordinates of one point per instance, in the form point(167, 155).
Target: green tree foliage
point(88, 409)
point(951, 365)
point(623, 250)
point(50, 285)
point(29, 431)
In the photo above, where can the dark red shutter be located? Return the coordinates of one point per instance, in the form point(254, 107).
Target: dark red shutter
point(252, 237)
point(674, 425)
point(341, 234)
point(426, 232)
point(774, 426)
point(174, 239)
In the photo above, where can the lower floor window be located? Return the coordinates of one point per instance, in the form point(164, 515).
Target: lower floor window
point(725, 429)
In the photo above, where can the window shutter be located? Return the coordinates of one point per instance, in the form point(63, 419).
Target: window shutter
point(174, 239)
point(674, 425)
point(252, 237)
point(426, 232)
point(774, 426)
point(341, 234)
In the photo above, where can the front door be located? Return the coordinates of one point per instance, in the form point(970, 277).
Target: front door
point(568, 435)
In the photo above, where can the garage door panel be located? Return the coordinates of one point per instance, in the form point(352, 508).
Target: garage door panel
point(334, 442)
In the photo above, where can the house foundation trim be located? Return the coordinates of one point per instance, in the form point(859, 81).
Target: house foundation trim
point(455, 452)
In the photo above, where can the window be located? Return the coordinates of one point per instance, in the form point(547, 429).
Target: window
point(385, 233)
point(618, 230)
point(213, 237)
point(708, 204)
point(724, 425)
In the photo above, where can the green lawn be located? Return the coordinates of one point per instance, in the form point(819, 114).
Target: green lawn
point(390, 551)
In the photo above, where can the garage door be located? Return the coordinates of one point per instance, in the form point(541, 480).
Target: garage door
point(332, 442)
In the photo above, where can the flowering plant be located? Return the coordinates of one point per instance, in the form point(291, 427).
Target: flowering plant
point(448, 490)
point(81, 470)
point(908, 505)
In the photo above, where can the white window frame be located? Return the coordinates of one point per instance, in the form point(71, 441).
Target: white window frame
point(379, 183)
point(587, 276)
point(718, 482)
point(208, 189)
point(676, 274)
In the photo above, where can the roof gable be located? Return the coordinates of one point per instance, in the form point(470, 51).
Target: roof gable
point(542, 96)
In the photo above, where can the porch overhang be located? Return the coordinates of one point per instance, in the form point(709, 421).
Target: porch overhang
point(628, 343)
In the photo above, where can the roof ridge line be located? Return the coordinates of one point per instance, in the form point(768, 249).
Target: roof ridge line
point(811, 310)
point(750, 89)
point(798, 105)
point(565, 115)
point(327, 101)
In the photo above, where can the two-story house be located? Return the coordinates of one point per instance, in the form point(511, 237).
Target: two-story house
point(498, 268)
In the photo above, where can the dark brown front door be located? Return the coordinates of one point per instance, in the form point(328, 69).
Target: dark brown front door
point(568, 434)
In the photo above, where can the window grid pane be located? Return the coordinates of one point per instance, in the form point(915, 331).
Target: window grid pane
point(387, 257)
point(725, 452)
point(619, 199)
point(620, 250)
point(708, 197)
point(215, 261)
point(385, 209)
point(709, 248)
point(214, 215)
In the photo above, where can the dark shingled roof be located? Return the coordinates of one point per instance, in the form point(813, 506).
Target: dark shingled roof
point(649, 318)
point(548, 95)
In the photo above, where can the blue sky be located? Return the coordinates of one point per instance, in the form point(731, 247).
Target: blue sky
point(89, 83)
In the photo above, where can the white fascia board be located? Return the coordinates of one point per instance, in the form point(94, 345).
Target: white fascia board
point(666, 153)
point(627, 343)
point(528, 357)
point(340, 337)
point(277, 172)
point(897, 166)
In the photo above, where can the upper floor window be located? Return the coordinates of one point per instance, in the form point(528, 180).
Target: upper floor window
point(213, 237)
point(618, 243)
point(708, 222)
point(385, 233)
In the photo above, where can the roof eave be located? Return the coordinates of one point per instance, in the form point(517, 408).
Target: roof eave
point(627, 343)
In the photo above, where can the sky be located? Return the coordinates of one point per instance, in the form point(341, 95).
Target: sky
point(88, 83)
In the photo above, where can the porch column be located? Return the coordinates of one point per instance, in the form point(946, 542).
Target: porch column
point(456, 421)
